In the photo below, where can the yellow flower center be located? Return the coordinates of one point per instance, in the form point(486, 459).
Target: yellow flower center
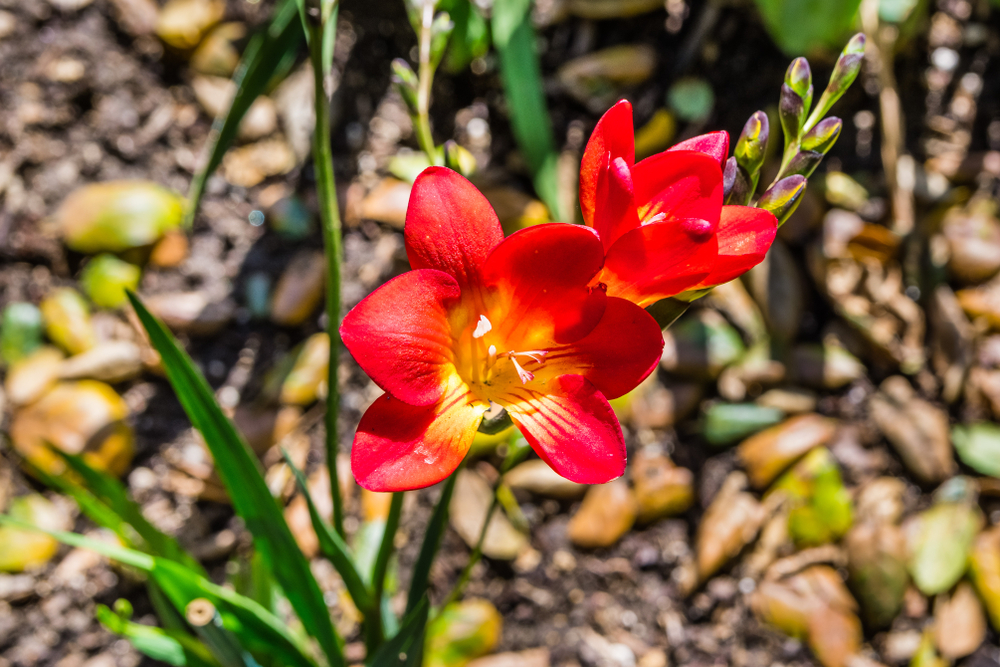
point(486, 364)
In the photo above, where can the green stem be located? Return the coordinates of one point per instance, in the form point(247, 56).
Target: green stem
point(475, 556)
point(426, 78)
point(330, 216)
point(515, 455)
point(373, 616)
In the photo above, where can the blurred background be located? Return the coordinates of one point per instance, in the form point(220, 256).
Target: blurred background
point(814, 469)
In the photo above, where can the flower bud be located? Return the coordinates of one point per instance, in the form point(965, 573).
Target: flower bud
point(729, 175)
point(814, 146)
point(737, 186)
point(844, 73)
point(752, 143)
point(848, 65)
point(822, 137)
point(791, 111)
point(459, 158)
point(406, 82)
point(798, 77)
point(783, 197)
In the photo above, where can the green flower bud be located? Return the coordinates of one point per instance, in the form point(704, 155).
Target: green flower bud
point(848, 65)
point(783, 197)
point(798, 77)
point(791, 111)
point(459, 158)
point(822, 137)
point(750, 148)
point(737, 185)
point(844, 73)
point(406, 82)
point(804, 163)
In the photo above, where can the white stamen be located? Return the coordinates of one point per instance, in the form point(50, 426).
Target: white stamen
point(492, 351)
point(525, 376)
point(483, 327)
point(538, 356)
point(656, 218)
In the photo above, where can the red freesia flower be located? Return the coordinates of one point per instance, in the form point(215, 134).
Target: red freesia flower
point(661, 221)
point(484, 319)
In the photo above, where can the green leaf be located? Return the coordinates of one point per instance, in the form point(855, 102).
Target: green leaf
point(802, 27)
point(514, 38)
point(256, 627)
point(89, 504)
point(113, 494)
point(379, 578)
point(172, 647)
point(978, 445)
point(333, 546)
point(471, 37)
point(268, 55)
point(240, 472)
point(405, 649)
point(430, 545)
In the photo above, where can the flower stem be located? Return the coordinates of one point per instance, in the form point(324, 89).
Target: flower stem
point(515, 455)
point(476, 555)
point(426, 78)
point(330, 216)
point(373, 616)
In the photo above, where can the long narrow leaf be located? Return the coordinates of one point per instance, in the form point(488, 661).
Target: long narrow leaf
point(241, 474)
point(431, 544)
point(333, 547)
point(265, 57)
point(172, 647)
point(89, 504)
point(257, 628)
point(114, 495)
point(406, 647)
point(514, 38)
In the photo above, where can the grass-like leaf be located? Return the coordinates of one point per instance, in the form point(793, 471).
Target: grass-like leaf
point(241, 474)
point(89, 504)
point(333, 547)
point(405, 649)
point(257, 629)
point(268, 54)
point(430, 545)
point(114, 496)
point(172, 647)
point(514, 38)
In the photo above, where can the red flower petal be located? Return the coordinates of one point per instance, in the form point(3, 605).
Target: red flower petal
point(450, 226)
point(572, 428)
point(681, 184)
point(540, 276)
point(659, 260)
point(613, 135)
point(399, 447)
point(715, 144)
point(616, 356)
point(615, 213)
point(399, 334)
point(745, 234)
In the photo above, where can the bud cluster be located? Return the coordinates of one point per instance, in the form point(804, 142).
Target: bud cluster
point(809, 136)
